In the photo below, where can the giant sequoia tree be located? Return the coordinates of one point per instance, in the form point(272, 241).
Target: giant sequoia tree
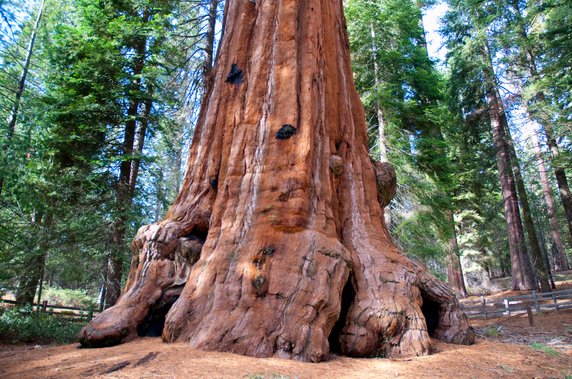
point(276, 243)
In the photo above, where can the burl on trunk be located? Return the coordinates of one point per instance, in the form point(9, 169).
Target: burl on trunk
point(276, 243)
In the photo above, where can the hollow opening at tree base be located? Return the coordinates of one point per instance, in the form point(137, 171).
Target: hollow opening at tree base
point(431, 311)
point(348, 295)
point(154, 322)
point(199, 232)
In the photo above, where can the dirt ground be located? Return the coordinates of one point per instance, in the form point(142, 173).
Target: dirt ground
point(507, 348)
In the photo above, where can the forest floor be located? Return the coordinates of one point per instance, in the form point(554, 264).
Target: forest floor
point(506, 348)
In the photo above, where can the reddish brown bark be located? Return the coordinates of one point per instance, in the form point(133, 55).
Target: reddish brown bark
point(296, 260)
point(520, 263)
point(454, 268)
point(541, 271)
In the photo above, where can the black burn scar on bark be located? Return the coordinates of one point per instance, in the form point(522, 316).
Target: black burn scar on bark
point(214, 183)
point(269, 250)
point(235, 75)
point(285, 132)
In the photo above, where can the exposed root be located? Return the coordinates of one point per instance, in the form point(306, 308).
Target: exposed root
point(160, 266)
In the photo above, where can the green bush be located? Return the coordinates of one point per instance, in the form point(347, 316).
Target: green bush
point(68, 297)
point(22, 325)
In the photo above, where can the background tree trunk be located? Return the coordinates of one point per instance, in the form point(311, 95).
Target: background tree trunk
point(454, 267)
point(382, 140)
point(561, 263)
point(127, 177)
point(209, 44)
point(541, 272)
point(544, 118)
point(520, 264)
point(560, 173)
point(378, 111)
point(35, 260)
point(281, 203)
point(545, 256)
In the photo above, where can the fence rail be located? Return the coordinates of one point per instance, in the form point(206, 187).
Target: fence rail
point(533, 301)
point(70, 313)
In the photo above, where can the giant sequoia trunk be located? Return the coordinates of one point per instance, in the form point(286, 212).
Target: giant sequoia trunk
point(281, 208)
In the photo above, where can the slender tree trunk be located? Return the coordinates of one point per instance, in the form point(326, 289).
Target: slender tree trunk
point(529, 58)
point(280, 212)
point(44, 251)
point(382, 141)
point(378, 111)
point(505, 271)
point(209, 44)
point(545, 254)
point(520, 264)
point(536, 254)
point(102, 289)
point(158, 209)
point(20, 90)
point(560, 173)
point(140, 142)
point(127, 178)
point(454, 267)
point(36, 260)
point(561, 263)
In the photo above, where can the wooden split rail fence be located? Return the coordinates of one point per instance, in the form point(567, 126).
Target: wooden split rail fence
point(531, 302)
point(69, 313)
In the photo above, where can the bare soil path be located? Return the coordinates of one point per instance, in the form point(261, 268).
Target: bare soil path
point(503, 354)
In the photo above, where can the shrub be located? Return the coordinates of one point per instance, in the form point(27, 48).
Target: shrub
point(492, 331)
point(22, 325)
point(68, 297)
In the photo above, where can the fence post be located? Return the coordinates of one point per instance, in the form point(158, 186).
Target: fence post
point(484, 304)
point(44, 305)
point(555, 301)
point(90, 315)
point(535, 299)
point(507, 306)
point(529, 314)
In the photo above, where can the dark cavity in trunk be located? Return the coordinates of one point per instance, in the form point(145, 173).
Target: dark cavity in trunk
point(431, 311)
point(348, 295)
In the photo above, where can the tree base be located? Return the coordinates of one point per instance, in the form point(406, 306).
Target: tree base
point(299, 298)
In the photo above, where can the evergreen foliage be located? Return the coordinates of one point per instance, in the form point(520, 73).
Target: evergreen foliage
point(60, 203)
point(388, 41)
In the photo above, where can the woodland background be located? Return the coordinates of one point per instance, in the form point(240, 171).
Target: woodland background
point(98, 99)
